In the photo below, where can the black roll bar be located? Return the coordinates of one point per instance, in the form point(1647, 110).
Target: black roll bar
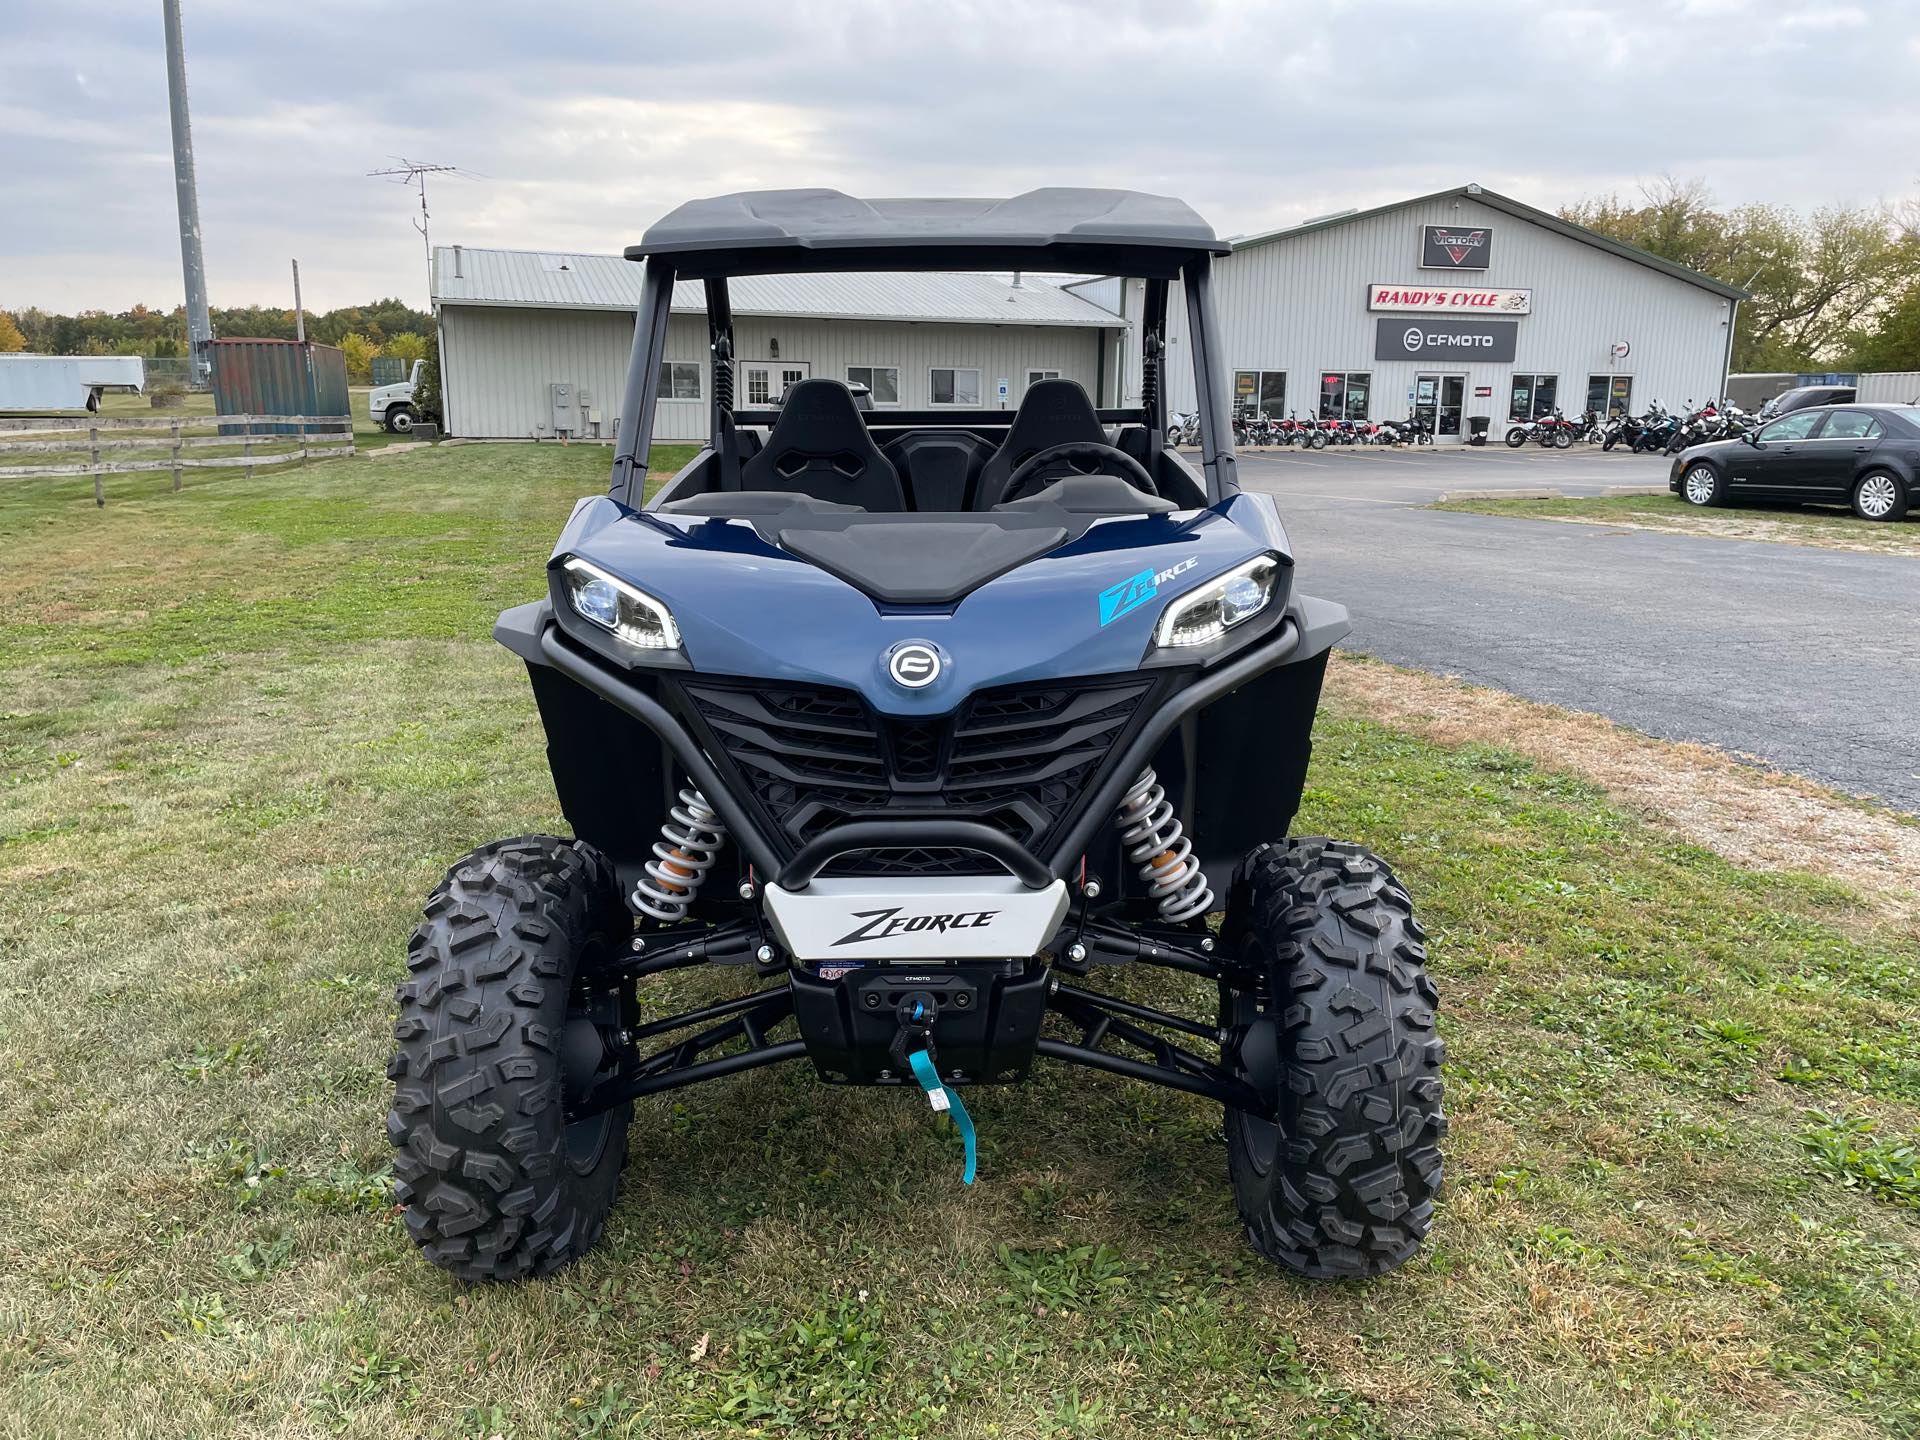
point(629, 483)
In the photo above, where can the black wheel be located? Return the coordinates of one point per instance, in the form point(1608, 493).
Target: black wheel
point(399, 419)
point(501, 1022)
point(1516, 438)
point(1879, 495)
point(1342, 1037)
point(1562, 438)
point(1701, 484)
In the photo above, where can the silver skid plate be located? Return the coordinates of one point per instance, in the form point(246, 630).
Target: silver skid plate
point(955, 917)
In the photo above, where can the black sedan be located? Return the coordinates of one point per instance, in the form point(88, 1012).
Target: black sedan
point(1866, 456)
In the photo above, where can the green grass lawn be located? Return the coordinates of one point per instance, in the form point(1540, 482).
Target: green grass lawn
point(1831, 527)
point(243, 729)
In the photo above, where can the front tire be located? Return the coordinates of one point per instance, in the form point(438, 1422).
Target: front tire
point(399, 420)
point(1702, 485)
point(1516, 438)
point(1879, 495)
point(1562, 438)
point(503, 1020)
point(1341, 1037)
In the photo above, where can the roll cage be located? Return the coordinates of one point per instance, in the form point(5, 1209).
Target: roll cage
point(1101, 232)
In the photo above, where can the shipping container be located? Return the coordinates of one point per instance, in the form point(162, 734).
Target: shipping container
point(279, 377)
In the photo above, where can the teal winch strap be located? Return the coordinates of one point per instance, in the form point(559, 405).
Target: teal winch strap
point(941, 1098)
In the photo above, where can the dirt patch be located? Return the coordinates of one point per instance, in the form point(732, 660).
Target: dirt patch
point(1757, 818)
point(1752, 527)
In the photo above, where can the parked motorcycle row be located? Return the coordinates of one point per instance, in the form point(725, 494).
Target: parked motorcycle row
point(1657, 431)
point(1256, 431)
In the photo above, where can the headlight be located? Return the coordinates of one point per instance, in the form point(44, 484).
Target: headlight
point(1212, 610)
point(616, 607)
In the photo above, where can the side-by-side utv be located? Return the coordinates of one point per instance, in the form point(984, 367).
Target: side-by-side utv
point(928, 719)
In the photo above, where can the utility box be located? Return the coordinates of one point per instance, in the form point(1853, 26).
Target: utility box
point(564, 399)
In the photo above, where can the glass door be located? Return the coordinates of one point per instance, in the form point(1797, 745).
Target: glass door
point(765, 382)
point(1438, 401)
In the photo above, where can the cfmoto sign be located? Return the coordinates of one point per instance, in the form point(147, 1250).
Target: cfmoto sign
point(1445, 339)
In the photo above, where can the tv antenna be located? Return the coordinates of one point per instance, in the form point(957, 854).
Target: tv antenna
point(414, 172)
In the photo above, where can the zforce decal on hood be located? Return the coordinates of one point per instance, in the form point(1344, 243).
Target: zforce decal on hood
point(1133, 592)
point(883, 924)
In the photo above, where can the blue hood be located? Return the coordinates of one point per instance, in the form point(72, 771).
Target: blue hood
point(746, 607)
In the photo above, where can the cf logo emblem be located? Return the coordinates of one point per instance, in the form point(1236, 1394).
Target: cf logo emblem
point(914, 664)
point(1412, 338)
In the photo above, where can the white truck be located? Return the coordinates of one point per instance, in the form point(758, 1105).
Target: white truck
point(392, 405)
point(40, 384)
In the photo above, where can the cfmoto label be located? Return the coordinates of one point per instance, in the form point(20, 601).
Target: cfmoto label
point(1134, 591)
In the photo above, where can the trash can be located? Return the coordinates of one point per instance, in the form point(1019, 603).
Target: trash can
point(1477, 429)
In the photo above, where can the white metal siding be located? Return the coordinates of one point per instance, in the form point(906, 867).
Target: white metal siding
point(1299, 304)
point(499, 361)
point(1888, 387)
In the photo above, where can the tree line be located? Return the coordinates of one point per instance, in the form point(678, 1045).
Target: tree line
point(385, 327)
point(1837, 289)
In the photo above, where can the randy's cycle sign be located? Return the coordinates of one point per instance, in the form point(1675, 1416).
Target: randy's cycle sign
point(1455, 247)
point(1426, 337)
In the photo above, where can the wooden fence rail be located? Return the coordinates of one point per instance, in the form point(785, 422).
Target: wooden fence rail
point(317, 437)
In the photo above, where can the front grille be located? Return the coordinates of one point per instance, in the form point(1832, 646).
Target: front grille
point(1021, 759)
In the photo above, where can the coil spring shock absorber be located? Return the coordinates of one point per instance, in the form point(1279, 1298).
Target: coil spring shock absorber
point(1157, 843)
point(689, 840)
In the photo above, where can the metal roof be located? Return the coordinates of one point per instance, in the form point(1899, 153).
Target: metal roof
point(1520, 211)
point(547, 280)
point(827, 220)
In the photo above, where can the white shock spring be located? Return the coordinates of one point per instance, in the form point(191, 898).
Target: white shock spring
point(1158, 844)
point(689, 840)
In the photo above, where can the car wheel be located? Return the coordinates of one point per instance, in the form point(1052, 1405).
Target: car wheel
point(1703, 485)
point(1879, 496)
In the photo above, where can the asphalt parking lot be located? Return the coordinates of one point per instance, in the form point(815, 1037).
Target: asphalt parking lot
point(1803, 658)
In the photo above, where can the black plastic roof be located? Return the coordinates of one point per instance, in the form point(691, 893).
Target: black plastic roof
point(809, 226)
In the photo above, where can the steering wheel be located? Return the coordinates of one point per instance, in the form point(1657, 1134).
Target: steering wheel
point(1079, 457)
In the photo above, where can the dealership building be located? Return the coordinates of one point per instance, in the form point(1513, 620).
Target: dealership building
point(1452, 306)
point(534, 345)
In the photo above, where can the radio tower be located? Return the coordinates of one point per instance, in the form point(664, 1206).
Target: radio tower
point(199, 326)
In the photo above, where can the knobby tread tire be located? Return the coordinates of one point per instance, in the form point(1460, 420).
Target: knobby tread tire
point(477, 1118)
point(1348, 1188)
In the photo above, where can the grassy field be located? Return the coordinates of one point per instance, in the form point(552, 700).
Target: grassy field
point(1832, 528)
point(244, 729)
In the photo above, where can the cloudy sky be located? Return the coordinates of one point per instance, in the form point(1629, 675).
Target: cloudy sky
point(577, 124)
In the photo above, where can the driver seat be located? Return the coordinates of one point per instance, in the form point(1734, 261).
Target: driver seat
point(1052, 412)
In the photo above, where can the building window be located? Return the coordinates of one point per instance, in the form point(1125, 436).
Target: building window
point(1260, 393)
point(1610, 394)
point(1344, 396)
point(1534, 397)
point(882, 382)
point(1034, 377)
point(758, 385)
point(679, 380)
point(953, 387)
